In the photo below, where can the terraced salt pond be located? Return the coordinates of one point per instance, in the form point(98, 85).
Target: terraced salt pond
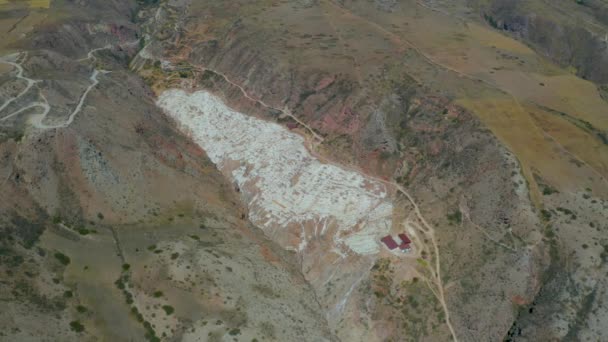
point(288, 191)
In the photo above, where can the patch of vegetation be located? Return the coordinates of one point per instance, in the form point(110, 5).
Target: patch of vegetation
point(455, 217)
point(76, 326)
point(582, 316)
point(545, 214)
point(83, 231)
point(81, 309)
point(567, 211)
point(27, 229)
point(121, 282)
point(137, 314)
point(157, 294)
point(549, 232)
point(548, 190)
point(168, 309)
point(490, 20)
point(24, 290)
point(604, 253)
point(63, 259)
point(126, 267)
point(234, 332)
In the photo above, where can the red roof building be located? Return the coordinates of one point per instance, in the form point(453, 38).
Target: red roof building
point(389, 242)
point(404, 238)
point(405, 241)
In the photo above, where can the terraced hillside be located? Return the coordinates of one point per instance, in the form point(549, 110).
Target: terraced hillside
point(206, 171)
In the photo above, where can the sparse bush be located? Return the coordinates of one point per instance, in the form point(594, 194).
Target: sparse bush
point(549, 191)
point(76, 326)
point(63, 259)
point(168, 309)
point(455, 217)
point(546, 214)
point(83, 231)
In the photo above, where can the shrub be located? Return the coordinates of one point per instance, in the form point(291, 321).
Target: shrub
point(549, 190)
point(63, 259)
point(168, 309)
point(455, 217)
point(546, 214)
point(76, 326)
point(83, 231)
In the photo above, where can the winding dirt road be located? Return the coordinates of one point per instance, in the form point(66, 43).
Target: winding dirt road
point(30, 82)
point(37, 120)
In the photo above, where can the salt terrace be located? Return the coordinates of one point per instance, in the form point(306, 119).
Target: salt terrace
point(284, 186)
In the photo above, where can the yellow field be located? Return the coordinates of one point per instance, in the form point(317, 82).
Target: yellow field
point(518, 83)
point(16, 26)
point(28, 3)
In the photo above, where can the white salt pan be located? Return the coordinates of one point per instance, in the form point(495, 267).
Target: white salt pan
point(282, 183)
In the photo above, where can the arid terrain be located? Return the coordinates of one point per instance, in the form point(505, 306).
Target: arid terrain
point(182, 170)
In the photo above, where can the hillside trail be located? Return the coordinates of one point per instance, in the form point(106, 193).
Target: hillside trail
point(29, 82)
point(37, 120)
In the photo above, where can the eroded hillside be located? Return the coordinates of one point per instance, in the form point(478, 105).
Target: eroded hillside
point(115, 226)
point(200, 170)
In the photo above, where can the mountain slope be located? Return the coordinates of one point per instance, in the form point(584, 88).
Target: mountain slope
point(328, 124)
